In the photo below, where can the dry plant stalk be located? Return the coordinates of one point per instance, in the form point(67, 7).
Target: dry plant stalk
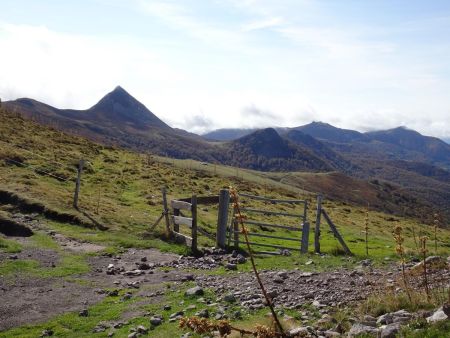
point(423, 251)
point(203, 325)
point(399, 239)
point(366, 229)
point(436, 226)
point(413, 230)
point(240, 218)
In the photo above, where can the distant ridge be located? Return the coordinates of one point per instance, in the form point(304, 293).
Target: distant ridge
point(266, 150)
point(320, 149)
point(325, 131)
point(435, 149)
point(394, 144)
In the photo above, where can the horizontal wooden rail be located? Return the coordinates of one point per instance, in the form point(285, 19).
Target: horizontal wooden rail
point(180, 220)
point(269, 236)
point(276, 213)
point(180, 205)
point(272, 199)
point(276, 253)
point(270, 245)
point(273, 225)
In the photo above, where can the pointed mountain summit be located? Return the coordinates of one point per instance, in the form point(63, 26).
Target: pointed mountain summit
point(119, 106)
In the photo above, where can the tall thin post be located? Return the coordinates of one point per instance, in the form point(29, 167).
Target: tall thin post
point(176, 226)
point(317, 228)
point(305, 238)
point(235, 230)
point(77, 184)
point(166, 211)
point(305, 212)
point(224, 203)
point(194, 223)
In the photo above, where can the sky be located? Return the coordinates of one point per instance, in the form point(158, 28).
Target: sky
point(201, 65)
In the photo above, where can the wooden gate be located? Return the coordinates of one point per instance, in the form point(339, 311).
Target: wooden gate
point(174, 212)
point(297, 231)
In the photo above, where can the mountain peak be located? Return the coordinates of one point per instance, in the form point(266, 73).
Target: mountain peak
point(120, 95)
point(121, 107)
point(119, 91)
point(118, 87)
point(322, 124)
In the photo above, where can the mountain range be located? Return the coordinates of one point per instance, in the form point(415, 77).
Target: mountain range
point(419, 165)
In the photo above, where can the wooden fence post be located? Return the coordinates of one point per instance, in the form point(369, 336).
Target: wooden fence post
point(222, 220)
point(166, 211)
point(194, 223)
point(235, 230)
point(317, 228)
point(305, 238)
point(77, 184)
point(176, 226)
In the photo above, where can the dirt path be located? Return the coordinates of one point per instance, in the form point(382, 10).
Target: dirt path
point(76, 246)
point(28, 300)
point(32, 300)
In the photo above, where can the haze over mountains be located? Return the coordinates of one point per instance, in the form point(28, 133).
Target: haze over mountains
point(418, 164)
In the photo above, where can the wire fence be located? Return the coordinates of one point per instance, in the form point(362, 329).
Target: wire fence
point(106, 196)
point(38, 170)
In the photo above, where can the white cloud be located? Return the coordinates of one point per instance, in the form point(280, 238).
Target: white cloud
point(246, 63)
point(262, 24)
point(182, 19)
point(74, 71)
point(334, 42)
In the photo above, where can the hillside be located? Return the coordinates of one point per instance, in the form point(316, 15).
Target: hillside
point(434, 149)
point(118, 119)
point(319, 149)
point(265, 150)
point(116, 270)
point(404, 158)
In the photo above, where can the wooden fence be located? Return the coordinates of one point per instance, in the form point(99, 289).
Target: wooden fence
point(302, 226)
point(228, 232)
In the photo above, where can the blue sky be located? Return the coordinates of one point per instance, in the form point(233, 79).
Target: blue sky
point(201, 65)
